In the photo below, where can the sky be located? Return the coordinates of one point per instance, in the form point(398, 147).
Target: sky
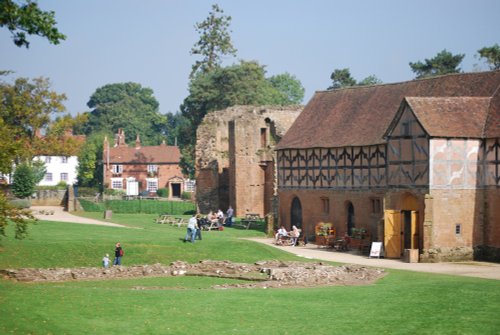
point(149, 42)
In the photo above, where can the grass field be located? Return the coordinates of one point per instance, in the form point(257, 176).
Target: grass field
point(401, 303)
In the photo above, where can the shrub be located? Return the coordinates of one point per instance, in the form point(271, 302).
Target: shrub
point(87, 191)
point(20, 203)
point(90, 206)
point(62, 185)
point(23, 184)
point(111, 191)
point(162, 192)
point(186, 195)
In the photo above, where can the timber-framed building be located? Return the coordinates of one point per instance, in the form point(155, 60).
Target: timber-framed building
point(416, 164)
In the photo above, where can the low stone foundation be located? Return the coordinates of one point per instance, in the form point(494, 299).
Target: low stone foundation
point(437, 255)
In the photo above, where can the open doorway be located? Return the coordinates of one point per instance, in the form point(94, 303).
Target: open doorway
point(350, 218)
point(296, 213)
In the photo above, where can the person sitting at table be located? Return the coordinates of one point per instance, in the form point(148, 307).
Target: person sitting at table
point(281, 233)
point(220, 217)
point(294, 234)
point(212, 218)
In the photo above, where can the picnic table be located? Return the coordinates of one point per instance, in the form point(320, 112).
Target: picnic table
point(249, 219)
point(168, 219)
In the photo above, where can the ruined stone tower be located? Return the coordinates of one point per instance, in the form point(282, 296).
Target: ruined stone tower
point(235, 162)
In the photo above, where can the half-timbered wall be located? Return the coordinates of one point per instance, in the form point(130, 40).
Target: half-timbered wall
point(408, 153)
point(333, 168)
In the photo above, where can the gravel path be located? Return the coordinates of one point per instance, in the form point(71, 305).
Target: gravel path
point(62, 216)
point(470, 269)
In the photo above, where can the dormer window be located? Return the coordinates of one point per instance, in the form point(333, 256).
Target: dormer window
point(116, 168)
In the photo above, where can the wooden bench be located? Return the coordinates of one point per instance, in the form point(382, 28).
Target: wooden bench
point(249, 219)
point(164, 219)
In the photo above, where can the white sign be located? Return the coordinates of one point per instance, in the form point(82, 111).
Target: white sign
point(376, 249)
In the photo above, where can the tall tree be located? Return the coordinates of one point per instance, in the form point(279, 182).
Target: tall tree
point(289, 88)
point(28, 18)
point(443, 63)
point(492, 56)
point(23, 184)
point(128, 106)
point(215, 41)
point(90, 160)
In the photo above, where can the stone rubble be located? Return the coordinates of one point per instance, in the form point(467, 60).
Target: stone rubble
point(263, 274)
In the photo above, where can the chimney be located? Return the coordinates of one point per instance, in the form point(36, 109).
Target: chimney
point(137, 142)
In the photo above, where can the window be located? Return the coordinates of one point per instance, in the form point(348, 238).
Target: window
point(116, 183)
point(325, 202)
point(405, 128)
point(117, 168)
point(47, 159)
point(376, 208)
point(458, 229)
point(263, 137)
point(48, 176)
point(152, 168)
point(152, 185)
point(64, 176)
point(64, 159)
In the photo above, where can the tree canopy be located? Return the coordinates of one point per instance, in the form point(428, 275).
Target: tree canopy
point(128, 106)
point(342, 78)
point(27, 108)
point(28, 19)
point(214, 42)
point(491, 55)
point(240, 84)
point(443, 63)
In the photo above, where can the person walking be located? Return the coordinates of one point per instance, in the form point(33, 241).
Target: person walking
point(118, 254)
point(191, 229)
point(229, 216)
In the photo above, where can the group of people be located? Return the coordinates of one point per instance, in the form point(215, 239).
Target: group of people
point(118, 256)
point(293, 234)
point(218, 219)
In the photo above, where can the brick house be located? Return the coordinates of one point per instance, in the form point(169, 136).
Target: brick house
point(416, 164)
point(152, 167)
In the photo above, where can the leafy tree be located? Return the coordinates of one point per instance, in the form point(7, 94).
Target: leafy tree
point(492, 56)
point(289, 87)
point(28, 106)
point(240, 84)
point(23, 184)
point(28, 18)
point(443, 63)
point(9, 147)
point(370, 80)
point(90, 160)
point(128, 106)
point(38, 169)
point(10, 214)
point(341, 78)
point(214, 42)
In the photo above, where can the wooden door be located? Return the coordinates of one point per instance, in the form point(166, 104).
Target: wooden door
point(392, 233)
point(414, 229)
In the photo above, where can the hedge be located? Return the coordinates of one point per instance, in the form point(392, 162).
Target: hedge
point(140, 206)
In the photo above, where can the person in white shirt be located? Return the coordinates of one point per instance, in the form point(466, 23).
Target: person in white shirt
point(281, 232)
point(191, 229)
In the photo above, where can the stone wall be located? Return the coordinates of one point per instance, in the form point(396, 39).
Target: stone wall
point(234, 157)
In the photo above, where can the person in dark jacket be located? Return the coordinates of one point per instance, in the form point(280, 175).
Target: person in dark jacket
point(118, 254)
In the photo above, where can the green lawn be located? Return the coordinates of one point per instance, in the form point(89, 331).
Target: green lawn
point(401, 303)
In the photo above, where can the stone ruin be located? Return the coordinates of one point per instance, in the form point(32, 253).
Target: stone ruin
point(235, 162)
point(264, 274)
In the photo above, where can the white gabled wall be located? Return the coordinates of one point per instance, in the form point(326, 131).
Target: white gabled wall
point(57, 167)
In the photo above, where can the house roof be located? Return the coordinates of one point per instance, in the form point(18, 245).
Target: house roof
point(451, 117)
point(358, 116)
point(158, 154)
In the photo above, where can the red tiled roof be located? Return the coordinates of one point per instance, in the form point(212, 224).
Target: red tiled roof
point(359, 116)
point(157, 154)
point(451, 117)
